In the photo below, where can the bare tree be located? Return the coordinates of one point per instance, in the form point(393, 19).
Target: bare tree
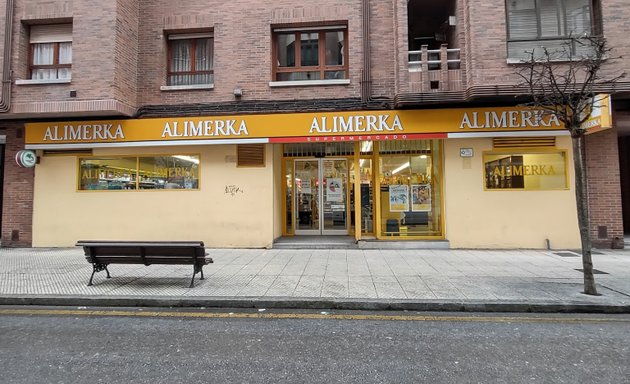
point(565, 82)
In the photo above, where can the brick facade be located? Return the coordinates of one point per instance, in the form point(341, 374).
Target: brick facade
point(17, 193)
point(604, 189)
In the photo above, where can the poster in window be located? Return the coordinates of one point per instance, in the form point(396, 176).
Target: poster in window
point(421, 197)
point(334, 190)
point(306, 186)
point(398, 198)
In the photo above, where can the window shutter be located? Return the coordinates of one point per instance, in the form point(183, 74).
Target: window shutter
point(188, 36)
point(51, 33)
point(551, 18)
point(251, 155)
point(578, 17)
point(523, 142)
point(522, 19)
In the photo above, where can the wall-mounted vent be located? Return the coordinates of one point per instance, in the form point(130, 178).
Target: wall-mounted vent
point(251, 155)
point(523, 142)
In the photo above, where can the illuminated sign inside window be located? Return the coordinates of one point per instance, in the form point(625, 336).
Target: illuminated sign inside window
point(525, 170)
point(139, 172)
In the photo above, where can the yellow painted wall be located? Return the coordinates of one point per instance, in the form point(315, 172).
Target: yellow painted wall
point(62, 215)
point(278, 200)
point(476, 218)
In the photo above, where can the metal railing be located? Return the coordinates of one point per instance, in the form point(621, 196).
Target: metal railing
point(435, 70)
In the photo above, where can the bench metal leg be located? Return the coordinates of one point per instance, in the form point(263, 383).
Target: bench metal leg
point(196, 270)
point(91, 277)
point(192, 281)
point(96, 267)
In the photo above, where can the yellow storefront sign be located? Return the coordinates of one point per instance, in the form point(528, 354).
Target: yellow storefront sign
point(287, 127)
point(600, 117)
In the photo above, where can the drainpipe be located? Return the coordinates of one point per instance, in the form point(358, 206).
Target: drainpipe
point(366, 75)
point(366, 81)
point(5, 94)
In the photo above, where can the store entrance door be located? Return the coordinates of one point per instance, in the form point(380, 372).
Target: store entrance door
point(321, 200)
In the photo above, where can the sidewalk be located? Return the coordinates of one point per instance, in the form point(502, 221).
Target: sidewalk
point(423, 280)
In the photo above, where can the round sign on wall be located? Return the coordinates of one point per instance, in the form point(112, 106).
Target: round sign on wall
point(26, 159)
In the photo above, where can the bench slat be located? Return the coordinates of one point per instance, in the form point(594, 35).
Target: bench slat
point(148, 260)
point(81, 243)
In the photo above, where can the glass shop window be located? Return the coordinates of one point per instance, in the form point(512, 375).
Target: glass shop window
point(525, 170)
point(411, 195)
point(139, 173)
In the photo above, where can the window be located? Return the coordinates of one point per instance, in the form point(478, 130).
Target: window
point(139, 172)
point(410, 193)
point(51, 52)
point(318, 53)
point(553, 21)
point(525, 170)
point(190, 59)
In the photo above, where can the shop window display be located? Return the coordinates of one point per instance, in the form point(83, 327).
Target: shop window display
point(410, 191)
point(139, 173)
point(525, 171)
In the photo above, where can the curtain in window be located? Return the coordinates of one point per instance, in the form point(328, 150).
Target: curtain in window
point(203, 61)
point(65, 57)
point(43, 54)
point(181, 61)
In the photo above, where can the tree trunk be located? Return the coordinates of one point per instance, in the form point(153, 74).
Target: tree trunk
point(582, 212)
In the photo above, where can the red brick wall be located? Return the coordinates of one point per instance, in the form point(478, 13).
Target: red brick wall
point(104, 53)
point(242, 47)
point(120, 50)
point(604, 189)
point(17, 204)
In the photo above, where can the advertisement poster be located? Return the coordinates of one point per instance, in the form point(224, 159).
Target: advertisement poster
point(334, 190)
point(421, 197)
point(398, 198)
point(306, 186)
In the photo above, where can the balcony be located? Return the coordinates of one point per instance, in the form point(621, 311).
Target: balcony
point(435, 70)
point(432, 65)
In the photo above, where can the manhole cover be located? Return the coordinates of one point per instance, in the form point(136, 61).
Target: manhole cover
point(595, 271)
point(567, 254)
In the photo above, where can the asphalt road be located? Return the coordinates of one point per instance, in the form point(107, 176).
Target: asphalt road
point(85, 345)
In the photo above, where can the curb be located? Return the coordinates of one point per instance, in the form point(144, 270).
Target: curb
point(318, 304)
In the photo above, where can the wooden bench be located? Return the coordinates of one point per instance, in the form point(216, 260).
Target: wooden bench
point(103, 253)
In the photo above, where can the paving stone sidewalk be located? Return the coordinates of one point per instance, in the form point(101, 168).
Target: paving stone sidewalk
point(496, 280)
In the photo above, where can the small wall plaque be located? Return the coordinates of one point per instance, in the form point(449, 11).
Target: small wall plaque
point(466, 152)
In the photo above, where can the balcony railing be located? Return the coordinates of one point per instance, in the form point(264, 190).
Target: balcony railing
point(436, 70)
